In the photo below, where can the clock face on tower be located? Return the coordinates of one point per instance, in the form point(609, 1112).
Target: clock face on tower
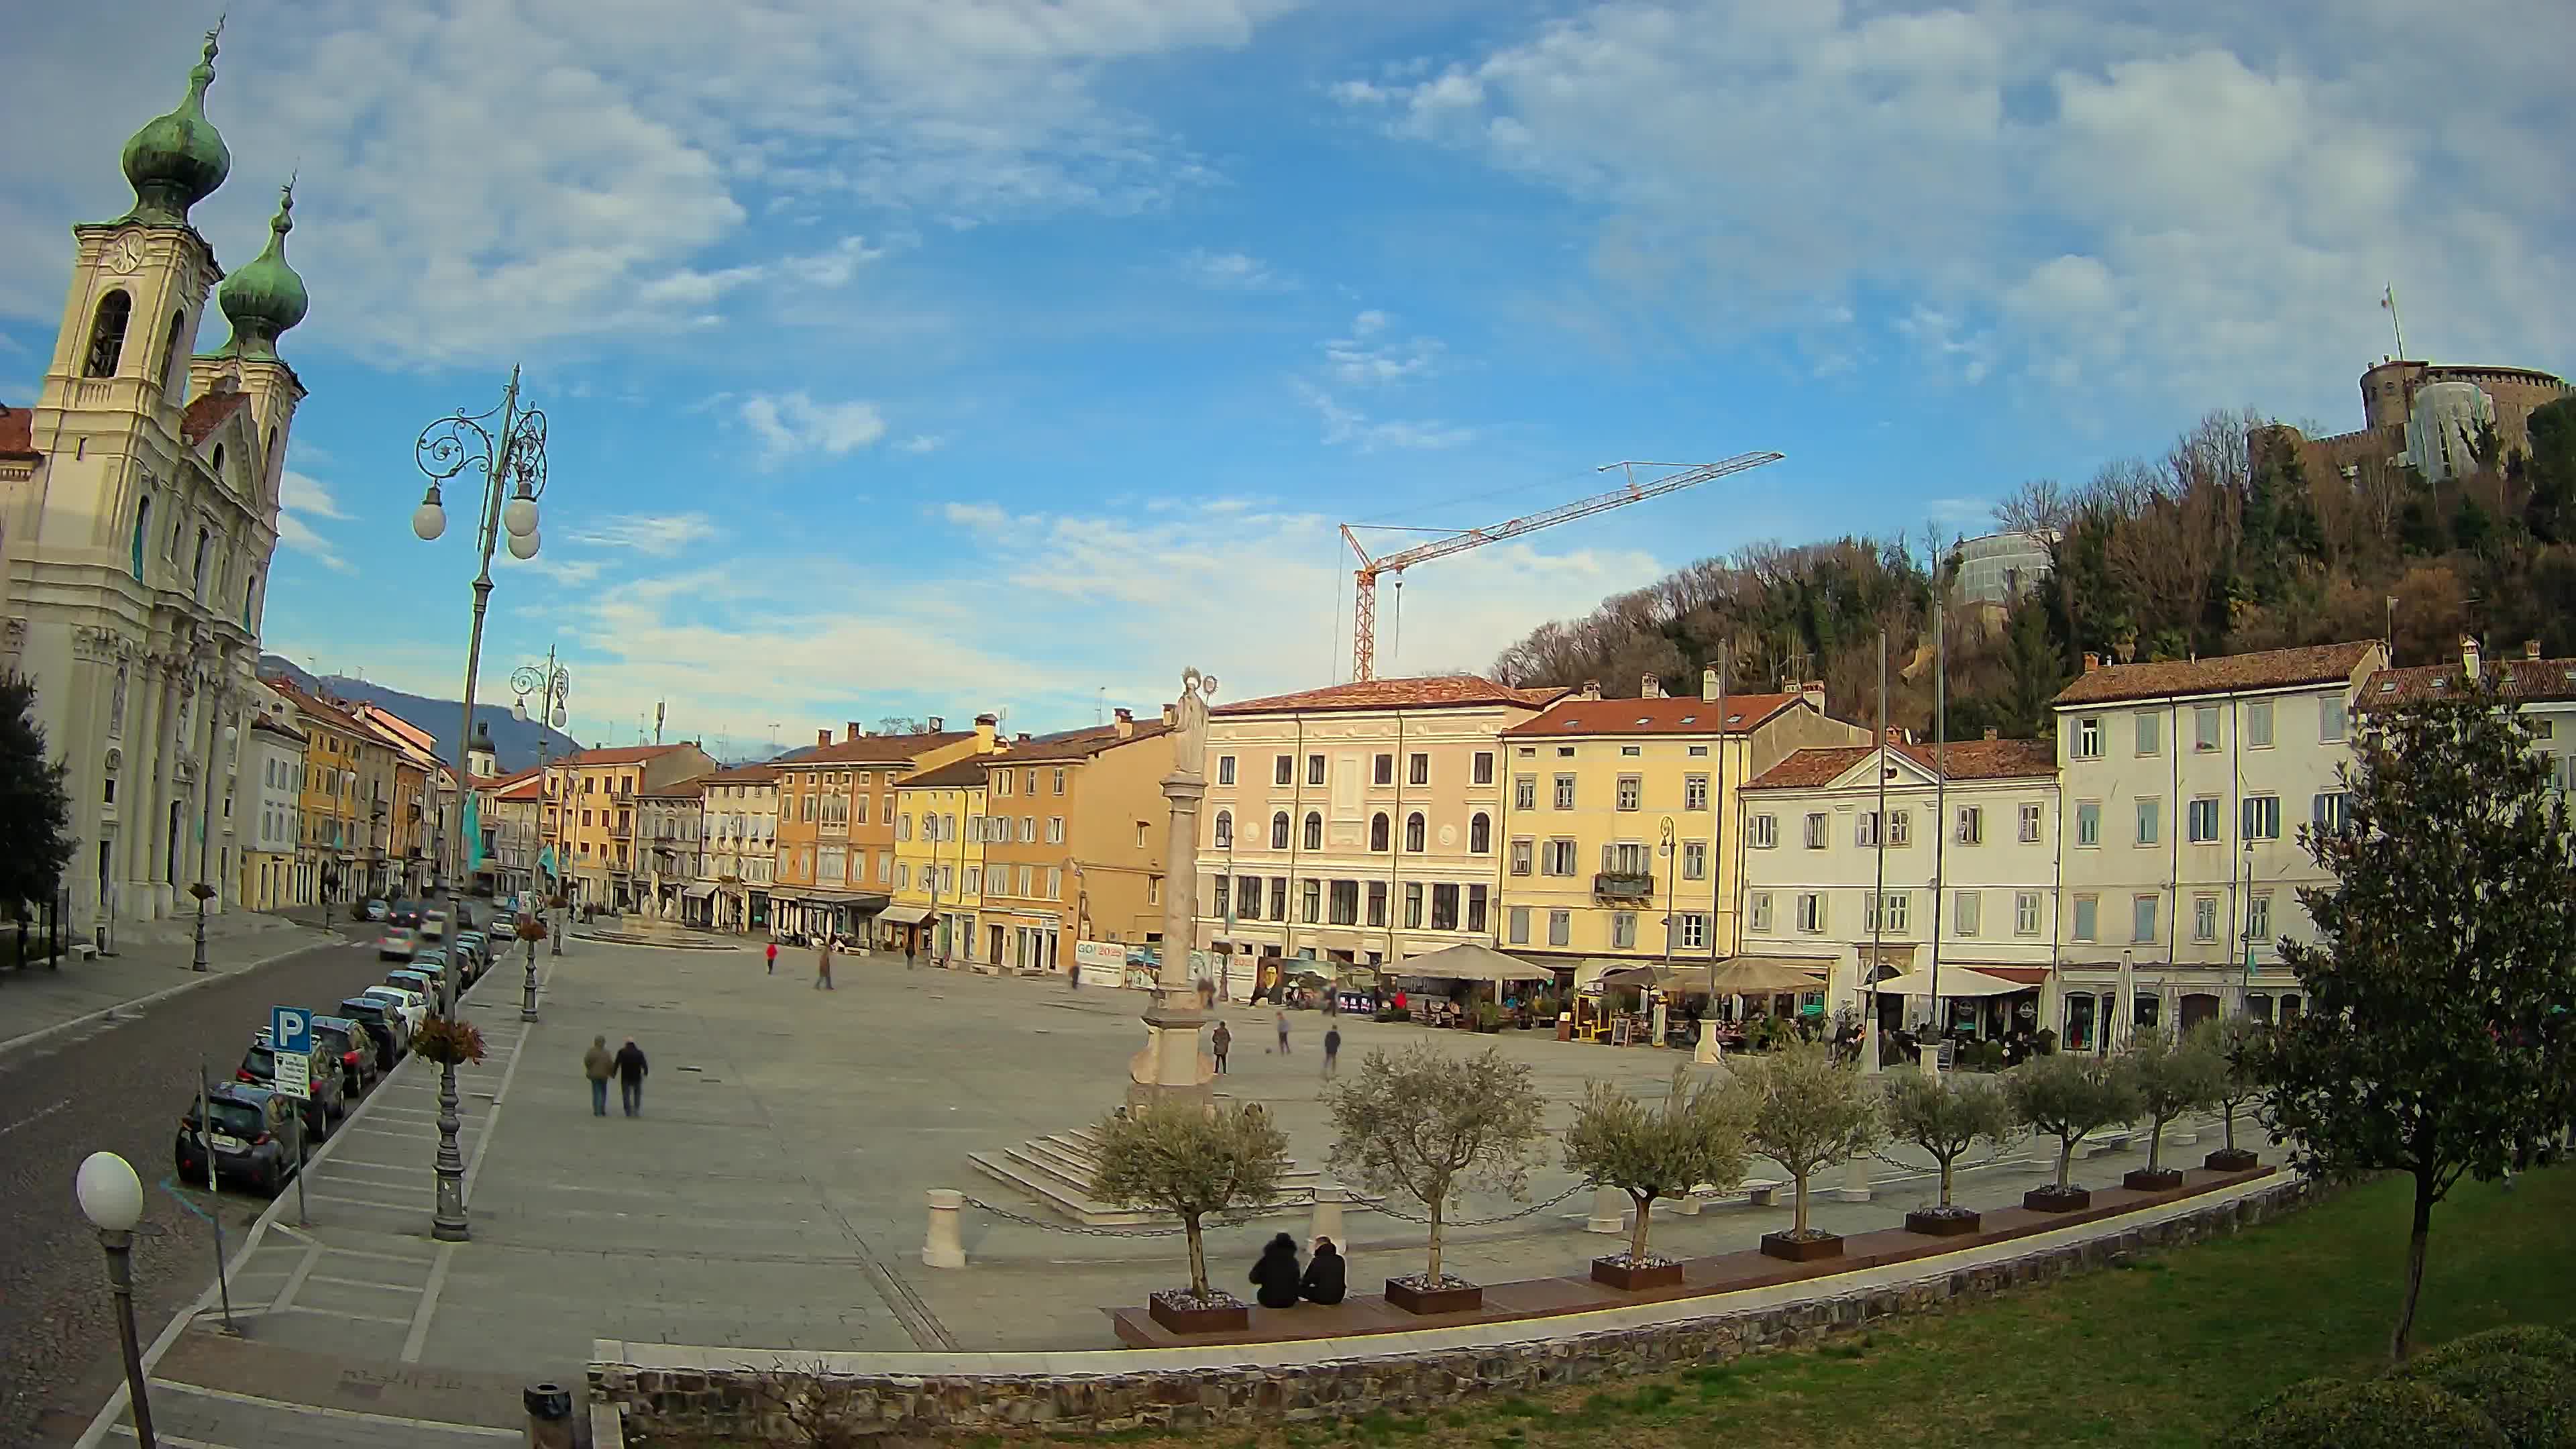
point(125, 254)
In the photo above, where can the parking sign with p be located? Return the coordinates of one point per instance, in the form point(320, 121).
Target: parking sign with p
point(290, 1038)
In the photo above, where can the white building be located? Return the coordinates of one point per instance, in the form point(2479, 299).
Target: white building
point(740, 829)
point(2184, 786)
point(138, 512)
point(1964, 872)
point(269, 817)
point(2544, 690)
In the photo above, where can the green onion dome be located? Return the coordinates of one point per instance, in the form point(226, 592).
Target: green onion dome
point(179, 159)
point(265, 298)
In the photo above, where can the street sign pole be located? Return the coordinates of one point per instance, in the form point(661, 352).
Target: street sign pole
point(290, 1037)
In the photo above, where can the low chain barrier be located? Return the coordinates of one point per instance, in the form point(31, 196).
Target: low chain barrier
point(1445, 1223)
point(1238, 1219)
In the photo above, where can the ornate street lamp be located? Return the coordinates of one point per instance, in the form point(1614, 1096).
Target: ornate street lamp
point(111, 1197)
point(552, 684)
point(508, 447)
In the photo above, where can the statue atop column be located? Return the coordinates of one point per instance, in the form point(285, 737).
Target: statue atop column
point(1171, 1065)
point(1190, 724)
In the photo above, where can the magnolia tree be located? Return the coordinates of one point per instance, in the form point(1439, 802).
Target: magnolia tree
point(1945, 1116)
point(2170, 1075)
point(2437, 1041)
point(1807, 1113)
point(1695, 1135)
point(1428, 1124)
point(1190, 1160)
point(2068, 1095)
point(2237, 1042)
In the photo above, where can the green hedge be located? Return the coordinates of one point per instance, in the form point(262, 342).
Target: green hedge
point(2528, 1398)
point(2531, 1340)
point(2373, 1414)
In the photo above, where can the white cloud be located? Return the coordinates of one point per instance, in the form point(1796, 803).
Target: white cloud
point(920, 443)
point(2195, 200)
point(656, 535)
point(1370, 358)
point(293, 532)
point(1231, 272)
point(834, 267)
point(302, 493)
point(1343, 424)
point(795, 423)
point(1374, 358)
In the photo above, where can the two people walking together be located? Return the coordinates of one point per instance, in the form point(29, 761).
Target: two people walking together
point(626, 1064)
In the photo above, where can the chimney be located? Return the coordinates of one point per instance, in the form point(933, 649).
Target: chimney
point(1171, 715)
point(2092, 661)
point(1896, 734)
point(855, 732)
point(1023, 739)
point(2531, 649)
point(1591, 690)
point(1992, 732)
point(1813, 691)
point(1126, 725)
point(1708, 685)
point(822, 737)
point(938, 725)
point(1650, 687)
point(985, 727)
point(2469, 656)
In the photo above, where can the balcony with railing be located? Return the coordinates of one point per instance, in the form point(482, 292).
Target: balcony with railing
point(1623, 885)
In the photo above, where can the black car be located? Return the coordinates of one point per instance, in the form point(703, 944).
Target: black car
point(325, 1106)
point(354, 1045)
point(383, 1023)
point(244, 1150)
point(406, 913)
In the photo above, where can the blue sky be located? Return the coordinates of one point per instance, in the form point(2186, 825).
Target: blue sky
point(930, 356)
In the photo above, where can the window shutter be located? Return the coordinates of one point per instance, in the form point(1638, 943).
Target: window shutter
point(1606, 860)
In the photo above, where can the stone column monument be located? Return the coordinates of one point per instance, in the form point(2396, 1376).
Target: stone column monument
point(1171, 1067)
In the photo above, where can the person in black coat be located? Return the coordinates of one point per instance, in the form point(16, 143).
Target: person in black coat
point(1323, 1282)
point(1276, 1275)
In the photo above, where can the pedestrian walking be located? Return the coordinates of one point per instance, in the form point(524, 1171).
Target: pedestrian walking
point(823, 965)
point(911, 943)
point(1207, 994)
point(631, 1068)
point(1283, 1041)
point(1323, 1282)
point(598, 1064)
point(773, 958)
point(1277, 1274)
point(1332, 1050)
point(1219, 1041)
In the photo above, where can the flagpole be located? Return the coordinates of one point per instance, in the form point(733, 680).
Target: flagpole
point(2397, 324)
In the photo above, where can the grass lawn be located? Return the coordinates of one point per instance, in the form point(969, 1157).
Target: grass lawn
point(2170, 1351)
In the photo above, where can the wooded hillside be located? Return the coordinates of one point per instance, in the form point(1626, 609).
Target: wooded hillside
point(2208, 549)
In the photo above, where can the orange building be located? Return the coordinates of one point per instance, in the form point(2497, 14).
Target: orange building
point(835, 861)
point(1074, 832)
point(591, 815)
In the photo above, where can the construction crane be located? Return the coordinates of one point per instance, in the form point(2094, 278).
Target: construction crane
point(1364, 604)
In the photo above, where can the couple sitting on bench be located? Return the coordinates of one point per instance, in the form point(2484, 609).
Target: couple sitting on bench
point(1284, 1285)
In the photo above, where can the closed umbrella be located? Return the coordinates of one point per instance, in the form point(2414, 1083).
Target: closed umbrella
point(2116, 1032)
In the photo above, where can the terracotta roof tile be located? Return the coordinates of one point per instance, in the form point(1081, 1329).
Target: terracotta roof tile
point(278, 727)
point(1967, 760)
point(875, 749)
point(1670, 716)
point(315, 705)
point(18, 435)
point(620, 755)
point(208, 412)
point(693, 787)
point(763, 773)
point(967, 773)
point(2524, 679)
point(1079, 744)
point(2269, 669)
point(1439, 691)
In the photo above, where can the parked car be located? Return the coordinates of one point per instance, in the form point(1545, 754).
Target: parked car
point(385, 1022)
point(474, 949)
point(237, 1137)
point(430, 987)
point(350, 1040)
point(378, 910)
point(413, 1005)
point(435, 962)
point(322, 1108)
point(397, 944)
point(433, 924)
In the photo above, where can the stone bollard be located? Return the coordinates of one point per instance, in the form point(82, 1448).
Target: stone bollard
point(1329, 1198)
point(1855, 1186)
point(1932, 1064)
point(942, 1248)
point(1708, 1052)
point(1609, 1211)
point(549, 1416)
point(1686, 1205)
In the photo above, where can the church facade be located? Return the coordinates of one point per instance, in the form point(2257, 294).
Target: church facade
point(138, 515)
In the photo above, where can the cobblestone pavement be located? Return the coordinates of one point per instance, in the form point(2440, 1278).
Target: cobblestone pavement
point(771, 1193)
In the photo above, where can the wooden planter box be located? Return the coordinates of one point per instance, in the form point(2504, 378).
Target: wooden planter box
point(1616, 1273)
point(1942, 1225)
point(1464, 1298)
point(1802, 1250)
point(2051, 1200)
point(2163, 1179)
point(2231, 1159)
point(1232, 1316)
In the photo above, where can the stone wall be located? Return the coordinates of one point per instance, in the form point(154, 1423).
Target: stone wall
point(744, 1402)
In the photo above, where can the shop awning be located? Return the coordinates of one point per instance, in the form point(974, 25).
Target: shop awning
point(905, 915)
point(1955, 981)
point(1649, 977)
point(1759, 975)
point(700, 891)
point(2026, 975)
point(1471, 962)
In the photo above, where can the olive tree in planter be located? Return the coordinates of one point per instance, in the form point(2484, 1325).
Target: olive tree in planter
point(2066, 1096)
point(1694, 1135)
point(2170, 1075)
point(1807, 1113)
point(1429, 1124)
point(1191, 1160)
point(2237, 1043)
point(1945, 1116)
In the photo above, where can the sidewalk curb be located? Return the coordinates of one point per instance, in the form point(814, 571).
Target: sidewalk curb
point(101, 1422)
point(194, 981)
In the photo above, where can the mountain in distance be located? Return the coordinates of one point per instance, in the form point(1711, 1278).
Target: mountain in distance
point(514, 740)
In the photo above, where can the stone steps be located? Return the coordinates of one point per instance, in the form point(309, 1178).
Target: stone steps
point(1056, 1170)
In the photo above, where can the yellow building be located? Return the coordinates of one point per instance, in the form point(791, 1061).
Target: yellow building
point(1074, 848)
point(331, 814)
point(939, 831)
point(591, 814)
point(1621, 837)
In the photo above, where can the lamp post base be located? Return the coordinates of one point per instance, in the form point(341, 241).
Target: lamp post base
point(448, 1223)
point(198, 963)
